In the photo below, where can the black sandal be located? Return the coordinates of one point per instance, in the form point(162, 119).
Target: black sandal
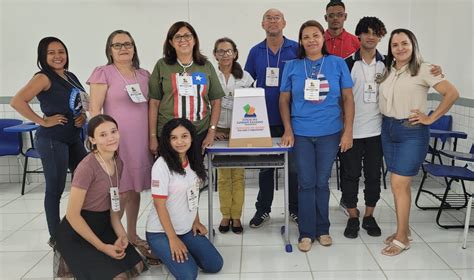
point(238, 229)
point(224, 229)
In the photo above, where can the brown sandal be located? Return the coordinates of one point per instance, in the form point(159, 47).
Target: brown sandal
point(144, 249)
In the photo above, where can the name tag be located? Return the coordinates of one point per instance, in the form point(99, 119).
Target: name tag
point(311, 89)
point(115, 199)
point(227, 102)
point(135, 93)
point(272, 76)
point(185, 86)
point(193, 195)
point(84, 100)
point(370, 92)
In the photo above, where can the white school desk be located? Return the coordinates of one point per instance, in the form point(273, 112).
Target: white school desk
point(220, 155)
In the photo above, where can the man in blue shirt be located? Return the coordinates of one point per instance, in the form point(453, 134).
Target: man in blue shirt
point(265, 63)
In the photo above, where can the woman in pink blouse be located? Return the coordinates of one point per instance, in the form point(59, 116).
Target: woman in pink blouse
point(120, 89)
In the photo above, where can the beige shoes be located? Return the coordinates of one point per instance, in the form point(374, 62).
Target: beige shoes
point(305, 244)
point(325, 240)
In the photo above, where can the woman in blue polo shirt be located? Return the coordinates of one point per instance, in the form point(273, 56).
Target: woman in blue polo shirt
point(314, 84)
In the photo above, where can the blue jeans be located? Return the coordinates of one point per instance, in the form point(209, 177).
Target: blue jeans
point(56, 157)
point(314, 159)
point(201, 253)
point(266, 182)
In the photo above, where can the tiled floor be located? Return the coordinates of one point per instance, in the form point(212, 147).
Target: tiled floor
point(259, 253)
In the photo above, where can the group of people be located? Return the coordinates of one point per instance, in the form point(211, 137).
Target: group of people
point(330, 92)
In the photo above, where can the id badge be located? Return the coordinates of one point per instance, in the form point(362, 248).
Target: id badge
point(370, 92)
point(185, 86)
point(135, 93)
point(272, 76)
point(115, 199)
point(311, 90)
point(228, 102)
point(193, 196)
point(84, 100)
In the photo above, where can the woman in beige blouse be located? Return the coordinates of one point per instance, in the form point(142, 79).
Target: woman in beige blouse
point(405, 127)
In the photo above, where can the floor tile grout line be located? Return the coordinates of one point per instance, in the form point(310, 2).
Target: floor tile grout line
point(452, 269)
point(375, 259)
point(31, 268)
point(18, 229)
point(242, 245)
point(309, 265)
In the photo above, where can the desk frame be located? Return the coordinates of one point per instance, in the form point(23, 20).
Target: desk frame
point(221, 148)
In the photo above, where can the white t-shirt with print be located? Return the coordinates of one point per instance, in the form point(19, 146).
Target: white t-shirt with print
point(173, 187)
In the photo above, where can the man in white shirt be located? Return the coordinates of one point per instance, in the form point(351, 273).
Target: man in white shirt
point(367, 66)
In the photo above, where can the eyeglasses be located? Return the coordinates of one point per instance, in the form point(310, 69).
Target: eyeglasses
point(118, 46)
point(338, 15)
point(274, 18)
point(185, 37)
point(222, 52)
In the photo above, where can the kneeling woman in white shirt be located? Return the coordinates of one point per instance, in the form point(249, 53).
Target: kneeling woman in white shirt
point(174, 232)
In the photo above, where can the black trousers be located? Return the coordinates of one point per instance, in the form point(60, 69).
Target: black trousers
point(366, 153)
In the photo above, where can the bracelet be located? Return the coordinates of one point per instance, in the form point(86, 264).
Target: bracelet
point(153, 134)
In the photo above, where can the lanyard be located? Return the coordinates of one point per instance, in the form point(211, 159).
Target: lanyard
point(123, 78)
point(279, 53)
point(71, 82)
point(107, 170)
point(319, 72)
point(363, 71)
point(185, 67)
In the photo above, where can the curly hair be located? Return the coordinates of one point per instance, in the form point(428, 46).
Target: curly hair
point(373, 23)
point(171, 157)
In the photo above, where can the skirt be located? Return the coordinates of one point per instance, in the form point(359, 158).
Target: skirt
point(83, 259)
point(404, 145)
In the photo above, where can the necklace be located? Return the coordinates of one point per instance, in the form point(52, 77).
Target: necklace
point(185, 66)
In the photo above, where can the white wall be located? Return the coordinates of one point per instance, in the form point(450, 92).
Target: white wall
point(444, 29)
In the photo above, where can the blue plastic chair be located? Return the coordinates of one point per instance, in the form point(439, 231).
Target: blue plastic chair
point(450, 173)
point(10, 143)
point(443, 123)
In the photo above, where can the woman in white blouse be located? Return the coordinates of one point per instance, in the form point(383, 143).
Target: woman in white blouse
point(230, 181)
